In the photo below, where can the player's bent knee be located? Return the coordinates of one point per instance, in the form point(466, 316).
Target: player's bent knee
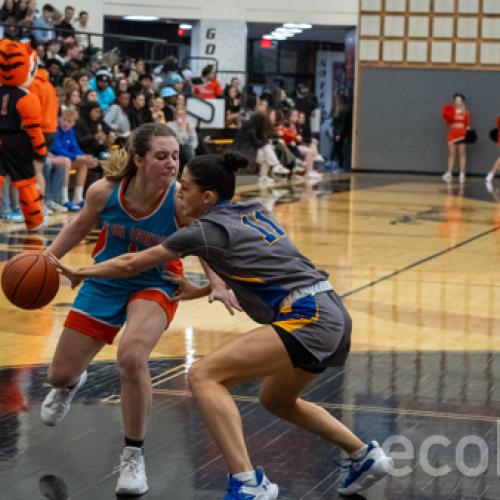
point(275, 405)
point(130, 361)
point(197, 375)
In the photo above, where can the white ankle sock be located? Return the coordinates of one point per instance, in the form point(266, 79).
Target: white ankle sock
point(245, 477)
point(64, 195)
point(359, 453)
point(78, 195)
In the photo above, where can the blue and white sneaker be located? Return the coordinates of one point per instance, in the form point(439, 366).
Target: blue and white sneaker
point(15, 215)
point(363, 472)
point(263, 489)
point(71, 206)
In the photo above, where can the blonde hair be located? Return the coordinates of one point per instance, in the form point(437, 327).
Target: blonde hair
point(121, 163)
point(69, 113)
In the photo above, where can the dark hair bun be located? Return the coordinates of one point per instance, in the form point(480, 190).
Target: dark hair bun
point(233, 161)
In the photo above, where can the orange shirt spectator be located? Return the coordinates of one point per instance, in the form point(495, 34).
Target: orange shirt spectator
point(210, 88)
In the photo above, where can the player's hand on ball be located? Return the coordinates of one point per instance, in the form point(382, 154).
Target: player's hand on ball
point(227, 297)
point(70, 273)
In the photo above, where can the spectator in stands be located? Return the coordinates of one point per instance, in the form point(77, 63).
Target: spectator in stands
point(254, 141)
point(306, 103)
point(74, 54)
point(73, 99)
point(138, 112)
point(293, 139)
point(53, 51)
point(89, 96)
point(156, 109)
point(169, 96)
point(32, 12)
point(20, 10)
point(140, 67)
point(40, 52)
point(163, 73)
point(233, 108)
point(235, 83)
point(83, 82)
point(7, 11)
point(186, 135)
point(342, 124)
point(187, 84)
point(66, 146)
point(210, 88)
point(46, 93)
point(92, 134)
point(81, 25)
point(101, 84)
point(283, 102)
point(145, 86)
point(121, 85)
point(117, 118)
point(249, 108)
point(43, 29)
point(65, 28)
point(54, 67)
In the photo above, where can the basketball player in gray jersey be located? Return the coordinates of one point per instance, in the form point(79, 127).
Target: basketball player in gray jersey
point(305, 328)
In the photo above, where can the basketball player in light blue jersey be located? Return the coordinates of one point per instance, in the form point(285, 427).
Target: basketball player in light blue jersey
point(135, 205)
point(305, 328)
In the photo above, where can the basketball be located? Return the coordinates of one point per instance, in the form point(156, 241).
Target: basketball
point(30, 280)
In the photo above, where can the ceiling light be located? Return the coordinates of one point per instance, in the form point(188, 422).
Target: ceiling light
point(141, 18)
point(302, 26)
point(185, 26)
point(287, 30)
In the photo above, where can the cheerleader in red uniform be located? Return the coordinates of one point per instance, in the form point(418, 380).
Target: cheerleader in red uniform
point(457, 119)
point(496, 165)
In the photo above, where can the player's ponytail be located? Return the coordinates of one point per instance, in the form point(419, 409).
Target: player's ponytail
point(121, 162)
point(217, 172)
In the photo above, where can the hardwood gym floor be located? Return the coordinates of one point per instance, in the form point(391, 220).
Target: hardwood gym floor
point(418, 263)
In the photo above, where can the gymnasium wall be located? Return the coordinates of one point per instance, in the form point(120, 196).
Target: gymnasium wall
point(413, 56)
point(400, 123)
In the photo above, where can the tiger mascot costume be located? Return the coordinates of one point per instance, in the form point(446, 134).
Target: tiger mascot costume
point(21, 137)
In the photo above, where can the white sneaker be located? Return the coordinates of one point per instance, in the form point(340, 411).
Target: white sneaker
point(280, 170)
point(300, 168)
point(262, 489)
point(319, 158)
point(461, 178)
point(265, 180)
point(132, 480)
point(363, 472)
point(55, 207)
point(58, 402)
point(489, 178)
point(47, 210)
point(447, 177)
point(314, 175)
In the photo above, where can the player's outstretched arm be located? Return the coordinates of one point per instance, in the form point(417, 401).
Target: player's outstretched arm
point(85, 221)
point(123, 266)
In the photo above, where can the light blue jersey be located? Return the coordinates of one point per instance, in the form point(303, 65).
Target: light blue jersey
point(124, 231)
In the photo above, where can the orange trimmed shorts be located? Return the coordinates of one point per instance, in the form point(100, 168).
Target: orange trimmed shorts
point(100, 309)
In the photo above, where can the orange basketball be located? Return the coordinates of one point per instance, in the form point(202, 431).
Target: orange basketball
point(30, 280)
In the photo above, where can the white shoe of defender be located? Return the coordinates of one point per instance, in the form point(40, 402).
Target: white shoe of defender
point(57, 403)
point(363, 472)
point(132, 480)
point(447, 177)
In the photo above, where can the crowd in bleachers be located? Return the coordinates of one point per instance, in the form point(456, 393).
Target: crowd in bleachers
point(102, 97)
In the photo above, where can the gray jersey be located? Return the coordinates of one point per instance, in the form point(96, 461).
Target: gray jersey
point(251, 253)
